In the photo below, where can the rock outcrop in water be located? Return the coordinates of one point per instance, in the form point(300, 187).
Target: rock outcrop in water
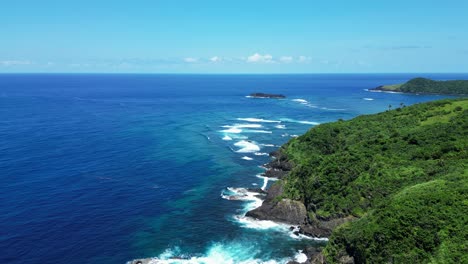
point(266, 95)
point(283, 210)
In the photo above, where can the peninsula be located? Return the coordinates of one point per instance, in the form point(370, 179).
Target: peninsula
point(427, 86)
point(385, 188)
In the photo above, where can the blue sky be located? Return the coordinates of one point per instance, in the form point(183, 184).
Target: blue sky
point(202, 36)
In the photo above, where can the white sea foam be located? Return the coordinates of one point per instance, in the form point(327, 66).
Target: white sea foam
point(261, 154)
point(270, 178)
point(300, 257)
point(252, 199)
point(265, 183)
point(294, 234)
point(304, 237)
point(280, 126)
point(380, 91)
point(233, 130)
point(217, 253)
point(294, 136)
point(258, 120)
point(368, 99)
point(302, 101)
point(242, 194)
point(333, 109)
point(243, 126)
point(247, 147)
point(265, 180)
point(308, 123)
point(227, 138)
point(237, 136)
point(257, 131)
point(246, 158)
point(249, 222)
point(267, 145)
point(299, 121)
point(312, 106)
point(235, 252)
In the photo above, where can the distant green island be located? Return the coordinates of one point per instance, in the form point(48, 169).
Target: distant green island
point(389, 188)
point(427, 86)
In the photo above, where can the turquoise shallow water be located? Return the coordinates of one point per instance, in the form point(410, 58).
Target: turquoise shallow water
point(108, 168)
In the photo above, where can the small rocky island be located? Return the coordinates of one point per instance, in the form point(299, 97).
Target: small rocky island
point(267, 95)
point(427, 86)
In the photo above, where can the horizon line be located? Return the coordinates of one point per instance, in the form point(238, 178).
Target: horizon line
point(227, 73)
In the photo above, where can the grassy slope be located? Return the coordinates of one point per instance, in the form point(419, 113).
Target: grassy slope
point(422, 85)
point(390, 169)
point(392, 87)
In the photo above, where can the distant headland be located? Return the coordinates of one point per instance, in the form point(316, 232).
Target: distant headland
point(267, 95)
point(427, 86)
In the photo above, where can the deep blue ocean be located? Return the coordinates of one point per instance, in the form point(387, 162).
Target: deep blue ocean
point(108, 168)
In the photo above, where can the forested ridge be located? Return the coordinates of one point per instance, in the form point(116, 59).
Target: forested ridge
point(401, 173)
point(428, 86)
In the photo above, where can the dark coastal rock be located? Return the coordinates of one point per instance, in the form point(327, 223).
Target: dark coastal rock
point(256, 190)
point(321, 228)
point(317, 259)
point(284, 210)
point(280, 162)
point(278, 167)
point(294, 213)
point(273, 173)
point(314, 255)
point(266, 95)
point(378, 88)
point(314, 231)
point(275, 191)
point(334, 223)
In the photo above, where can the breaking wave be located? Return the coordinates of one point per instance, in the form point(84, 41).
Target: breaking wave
point(247, 146)
point(258, 120)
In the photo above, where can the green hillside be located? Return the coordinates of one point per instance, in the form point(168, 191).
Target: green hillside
point(402, 173)
point(427, 86)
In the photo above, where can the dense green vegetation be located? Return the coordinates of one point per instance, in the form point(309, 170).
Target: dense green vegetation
point(423, 85)
point(403, 173)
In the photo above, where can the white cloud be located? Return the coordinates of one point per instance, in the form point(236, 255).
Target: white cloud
point(190, 60)
point(15, 62)
point(286, 59)
point(215, 59)
point(304, 59)
point(258, 58)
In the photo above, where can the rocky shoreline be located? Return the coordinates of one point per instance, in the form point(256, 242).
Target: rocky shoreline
point(279, 209)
